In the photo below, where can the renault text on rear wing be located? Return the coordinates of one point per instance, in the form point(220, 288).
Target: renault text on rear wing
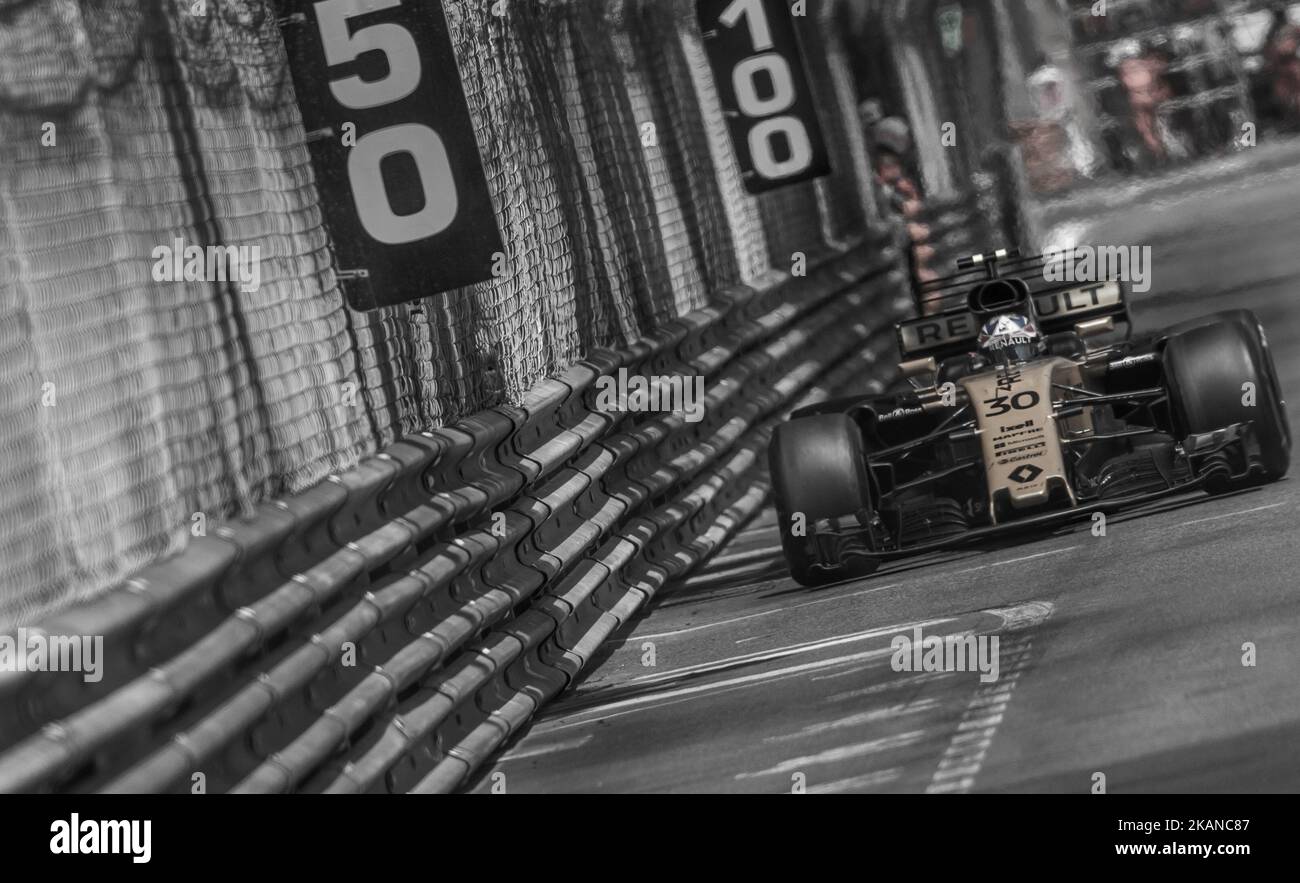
point(1057, 311)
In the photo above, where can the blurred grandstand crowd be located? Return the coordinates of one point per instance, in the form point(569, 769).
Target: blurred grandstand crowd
point(1095, 89)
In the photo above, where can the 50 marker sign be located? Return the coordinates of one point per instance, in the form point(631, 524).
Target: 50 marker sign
point(391, 139)
point(756, 63)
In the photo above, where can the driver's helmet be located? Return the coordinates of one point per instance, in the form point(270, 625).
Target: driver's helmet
point(1011, 338)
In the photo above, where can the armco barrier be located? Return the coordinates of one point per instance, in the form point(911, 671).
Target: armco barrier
point(391, 627)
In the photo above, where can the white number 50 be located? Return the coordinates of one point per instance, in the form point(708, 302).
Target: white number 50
point(421, 143)
point(340, 47)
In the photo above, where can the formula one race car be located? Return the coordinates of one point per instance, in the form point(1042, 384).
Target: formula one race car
point(1023, 408)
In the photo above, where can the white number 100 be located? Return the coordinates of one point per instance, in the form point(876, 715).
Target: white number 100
point(744, 83)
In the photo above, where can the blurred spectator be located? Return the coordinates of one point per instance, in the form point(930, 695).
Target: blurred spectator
point(893, 146)
point(1282, 56)
point(1057, 130)
point(1143, 74)
point(893, 141)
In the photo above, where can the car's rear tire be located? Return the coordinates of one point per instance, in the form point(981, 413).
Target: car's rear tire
point(1207, 367)
point(819, 471)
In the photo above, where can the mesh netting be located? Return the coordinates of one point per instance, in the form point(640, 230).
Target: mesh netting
point(168, 397)
point(88, 491)
point(561, 141)
point(693, 225)
point(791, 221)
point(132, 402)
point(838, 193)
point(241, 132)
point(741, 208)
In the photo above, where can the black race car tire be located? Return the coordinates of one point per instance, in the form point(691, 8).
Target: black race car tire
point(1243, 316)
point(1251, 322)
point(819, 470)
point(1206, 367)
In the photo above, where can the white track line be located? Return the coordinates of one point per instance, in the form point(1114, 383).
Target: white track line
point(1230, 514)
point(541, 750)
point(846, 673)
point(856, 720)
point(708, 625)
point(964, 757)
point(835, 755)
point(962, 760)
point(603, 713)
point(1031, 612)
point(1032, 557)
point(881, 777)
point(737, 560)
point(676, 674)
point(734, 619)
point(892, 684)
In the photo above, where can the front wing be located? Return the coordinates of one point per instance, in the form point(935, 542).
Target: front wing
point(836, 541)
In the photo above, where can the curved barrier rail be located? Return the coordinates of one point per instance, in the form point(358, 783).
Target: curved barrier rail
point(389, 628)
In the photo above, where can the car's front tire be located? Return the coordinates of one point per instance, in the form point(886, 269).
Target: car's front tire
point(1207, 368)
point(819, 471)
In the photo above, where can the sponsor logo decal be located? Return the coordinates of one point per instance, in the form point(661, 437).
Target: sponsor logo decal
point(1025, 473)
point(901, 412)
point(1007, 330)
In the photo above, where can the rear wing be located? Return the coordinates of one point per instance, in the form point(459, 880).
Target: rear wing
point(950, 328)
point(955, 332)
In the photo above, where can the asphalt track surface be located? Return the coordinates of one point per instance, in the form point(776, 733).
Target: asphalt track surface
point(1119, 654)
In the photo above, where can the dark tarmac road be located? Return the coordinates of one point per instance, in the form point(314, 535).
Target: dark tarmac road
point(1119, 655)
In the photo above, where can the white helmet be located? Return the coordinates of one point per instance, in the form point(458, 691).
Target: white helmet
point(1011, 337)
